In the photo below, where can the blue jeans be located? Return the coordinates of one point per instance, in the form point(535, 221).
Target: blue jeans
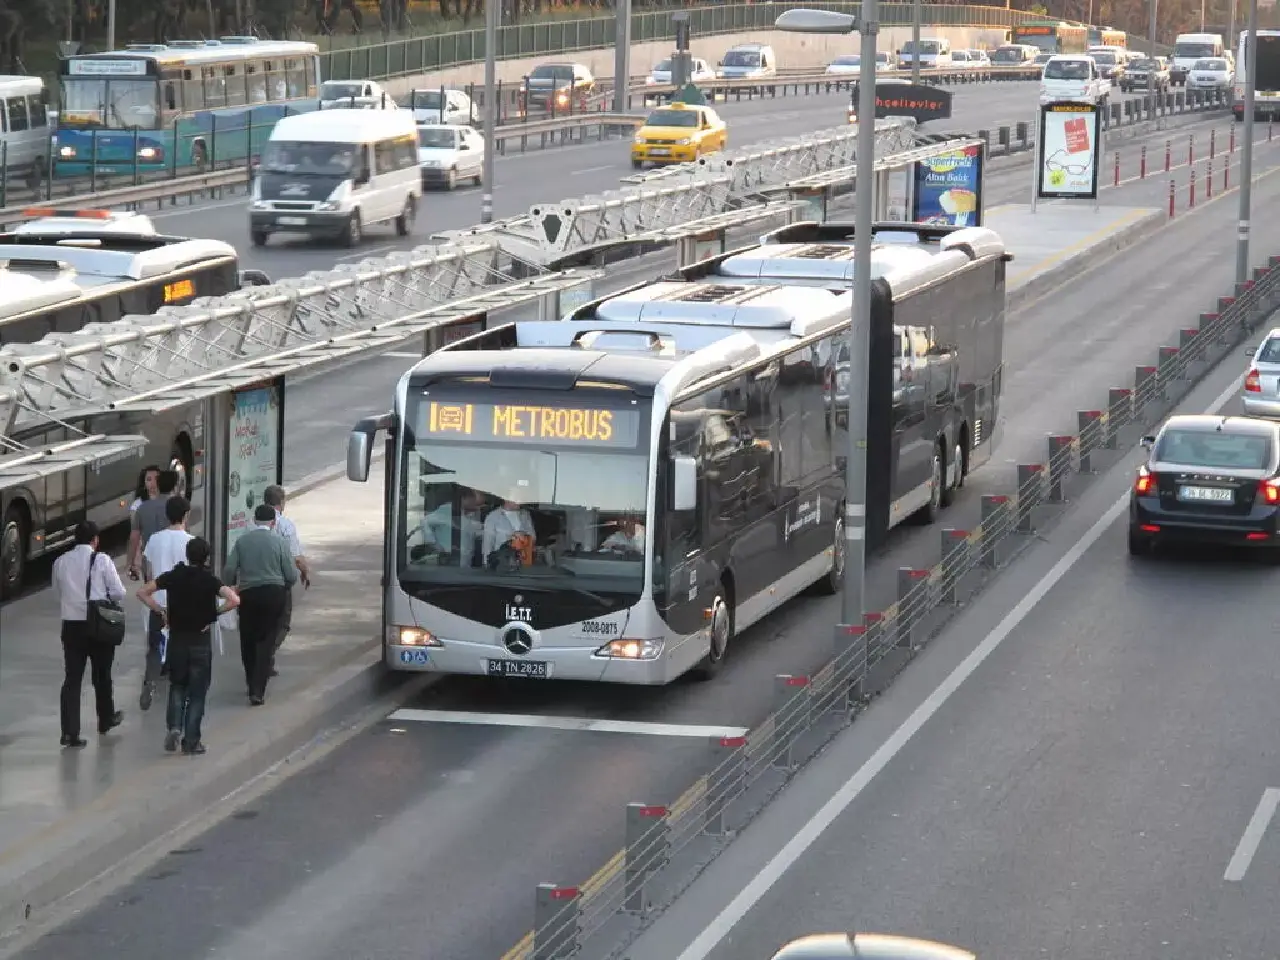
point(155, 637)
point(190, 671)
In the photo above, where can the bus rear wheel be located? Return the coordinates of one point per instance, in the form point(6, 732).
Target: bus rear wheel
point(720, 635)
point(13, 551)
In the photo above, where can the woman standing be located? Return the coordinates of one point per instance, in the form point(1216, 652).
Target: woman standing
point(148, 480)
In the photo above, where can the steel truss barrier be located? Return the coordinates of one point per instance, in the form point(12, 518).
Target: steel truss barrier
point(838, 176)
point(108, 365)
point(683, 192)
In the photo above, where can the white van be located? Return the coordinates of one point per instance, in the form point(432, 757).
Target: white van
point(748, 61)
point(26, 133)
point(934, 52)
point(1190, 47)
point(332, 173)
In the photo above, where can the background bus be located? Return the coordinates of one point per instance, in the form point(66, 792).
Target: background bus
point(1266, 79)
point(1108, 37)
point(188, 103)
point(1052, 36)
point(57, 281)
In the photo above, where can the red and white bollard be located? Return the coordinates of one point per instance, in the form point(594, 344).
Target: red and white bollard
point(1208, 179)
point(1117, 178)
point(1192, 204)
point(1172, 193)
point(1168, 155)
point(1191, 148)
point(1213, 143)
point(1231, 143)
point(1142, 164)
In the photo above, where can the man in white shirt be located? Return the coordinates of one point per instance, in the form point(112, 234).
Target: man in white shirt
point(628, 538)
point(165, 549)
point(439, 527)
point(275, 497)
point(72, 571)
point(503, 524)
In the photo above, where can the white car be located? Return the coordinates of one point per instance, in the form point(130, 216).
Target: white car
point(978, 58)
point(1211, 73)
point(851, 64)
point(1073, 77)
point(699, 72)
point(428, 109)
point(68, 222)
point(448, 153)
point(355, 95)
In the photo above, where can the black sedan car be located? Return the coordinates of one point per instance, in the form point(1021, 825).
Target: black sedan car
point(1208, 479)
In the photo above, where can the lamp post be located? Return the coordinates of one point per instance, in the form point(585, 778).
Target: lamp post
point(915, 40)
point(491, 8)
point(855, 479)
point(1246, 158)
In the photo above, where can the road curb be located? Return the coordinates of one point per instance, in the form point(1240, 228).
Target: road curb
point(1072, 264)
point(132, 819)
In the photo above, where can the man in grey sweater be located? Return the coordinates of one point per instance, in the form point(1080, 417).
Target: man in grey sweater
point(262, 570)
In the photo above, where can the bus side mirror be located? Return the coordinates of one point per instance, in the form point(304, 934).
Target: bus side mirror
point(1149, 442)
point(684, 485)
point(359, 453)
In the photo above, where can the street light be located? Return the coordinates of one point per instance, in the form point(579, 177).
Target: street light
point(855, 478)
point(490, 106)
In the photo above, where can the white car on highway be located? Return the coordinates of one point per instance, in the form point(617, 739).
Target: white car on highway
point(851, 64)
point(448, 153)
point(1211, 73)
point(700, 72)
point(1073, 77)
point(355, 95)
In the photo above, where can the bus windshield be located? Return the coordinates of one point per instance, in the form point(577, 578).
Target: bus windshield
point(90, 103)
point(509, 507)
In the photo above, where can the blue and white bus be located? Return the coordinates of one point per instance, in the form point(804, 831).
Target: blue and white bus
point(184, 104)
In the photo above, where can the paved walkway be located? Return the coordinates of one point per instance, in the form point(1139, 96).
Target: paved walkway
point(61, 810)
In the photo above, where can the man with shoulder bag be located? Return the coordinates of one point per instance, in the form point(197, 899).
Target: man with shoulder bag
point(89, 592)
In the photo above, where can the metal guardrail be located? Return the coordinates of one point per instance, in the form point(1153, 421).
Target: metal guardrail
point(666, 845)
point(418, 55)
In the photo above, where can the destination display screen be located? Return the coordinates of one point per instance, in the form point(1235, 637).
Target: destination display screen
point(179, 290)
point(522, 423)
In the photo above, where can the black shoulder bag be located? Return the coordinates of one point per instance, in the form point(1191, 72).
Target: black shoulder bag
point(105, 618)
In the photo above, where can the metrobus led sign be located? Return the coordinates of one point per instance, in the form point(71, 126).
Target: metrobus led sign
point(503, 422)
point(920, 102)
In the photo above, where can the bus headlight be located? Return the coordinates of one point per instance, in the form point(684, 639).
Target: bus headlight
point(148, 153)
point(66, 152)
point(412, 637)
point(631, 649)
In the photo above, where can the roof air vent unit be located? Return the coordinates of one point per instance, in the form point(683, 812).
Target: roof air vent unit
point(824, 251)
point(710, 293)
point(146, 47)
point(186, 44)
point(238, 39)
point(33, 265)
point(636, 341)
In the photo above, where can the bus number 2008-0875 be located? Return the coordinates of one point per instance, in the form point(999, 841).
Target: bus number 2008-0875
point(605, 628)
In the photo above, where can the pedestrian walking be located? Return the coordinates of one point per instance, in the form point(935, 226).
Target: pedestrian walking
point(149, 519)
point(147, 488)
point(187, 598)
point(80, 577)
point(275, 497)
point(261, 568)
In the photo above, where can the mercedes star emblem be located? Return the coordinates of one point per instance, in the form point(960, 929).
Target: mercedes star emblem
point(517, 641)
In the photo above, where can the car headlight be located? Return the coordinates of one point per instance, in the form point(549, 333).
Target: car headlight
point(640, 140)
point(261, 205)
point(66, 152)
point(685, 142)
point(327, 205)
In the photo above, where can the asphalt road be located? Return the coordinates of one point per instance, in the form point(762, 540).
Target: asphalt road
point(1086, 791)
point(425, 837)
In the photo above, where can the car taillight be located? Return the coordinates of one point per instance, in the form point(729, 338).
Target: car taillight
point(1270, 490)
point(1253, 382)
point(1146, 481)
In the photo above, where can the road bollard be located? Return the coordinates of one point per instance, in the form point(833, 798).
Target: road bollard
point(1172, 191)
point(1030, 489)
point(852, 655)
point(1189, 344)
point(910, 602)
point(1142, 163)
point(994, 510)
point(557, 915)
point(1209, 324)
point(1089, 423)
point(1208, 179)
point(1191, 149)
point(1166, 370)
point(1119, 413)
point(1213, 143)
point(1117, 177)
point(877, 627)
point(1192, 203)
point(790, 715)
point(1059, 463)
point(646, 852)
point(1226, 176)
point(1168, 155)
point(1144, 382)
point(1270, 126)
point(725, 780)
point(955, 550)
point(1231, 143)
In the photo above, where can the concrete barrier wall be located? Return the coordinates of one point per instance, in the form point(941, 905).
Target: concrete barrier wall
point(794, 51)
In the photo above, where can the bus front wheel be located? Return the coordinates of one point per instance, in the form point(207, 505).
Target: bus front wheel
point(13, 551)
point(720, 635)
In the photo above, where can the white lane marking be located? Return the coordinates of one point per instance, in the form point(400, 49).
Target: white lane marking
point(403, 354)
point(808, 833)
point(1252, 837)
point(585, 724)
point(607, 166)
point(367, 252)
point(195, 209)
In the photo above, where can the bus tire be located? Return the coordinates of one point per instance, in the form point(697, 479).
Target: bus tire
point(956, 466)
point(14, 534)
point(720, 635)
point(938, 480)
point(833, 579)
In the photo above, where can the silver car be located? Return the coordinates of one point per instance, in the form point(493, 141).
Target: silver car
point(1261, 394)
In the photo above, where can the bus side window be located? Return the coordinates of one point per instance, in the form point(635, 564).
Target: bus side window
point(295, 78)
point(170, 96)
point(4, 118)
point(312, 82)
point(235, 86)
point(215, 91)
point(17, 109)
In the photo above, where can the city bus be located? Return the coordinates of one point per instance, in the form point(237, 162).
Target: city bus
point(1052, 36)
point(1108, 37)
point(183, 105)
point(614, 496)
point(1266, 76)
point(57, 281)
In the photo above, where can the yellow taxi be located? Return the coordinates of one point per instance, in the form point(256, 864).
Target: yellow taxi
point(678, 133)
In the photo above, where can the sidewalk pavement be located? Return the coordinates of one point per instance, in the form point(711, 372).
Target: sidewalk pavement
point(67, 816)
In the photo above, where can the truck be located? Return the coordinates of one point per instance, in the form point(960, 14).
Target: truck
point(1266, 80)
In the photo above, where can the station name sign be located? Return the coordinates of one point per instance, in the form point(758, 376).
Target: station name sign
point(918, 101)
point(519, 423)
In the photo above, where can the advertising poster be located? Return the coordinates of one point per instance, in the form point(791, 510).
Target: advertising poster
point(1069, 151)
point(897, 195)
point(253, 453)
point(949, 188)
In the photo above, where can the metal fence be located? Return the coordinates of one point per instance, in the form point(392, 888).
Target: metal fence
point(667, 845)
point(414, 55)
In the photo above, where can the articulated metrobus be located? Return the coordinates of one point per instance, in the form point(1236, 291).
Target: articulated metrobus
point(1052, 36)
point(184, 104)
point(57, 281)
point(614, 496)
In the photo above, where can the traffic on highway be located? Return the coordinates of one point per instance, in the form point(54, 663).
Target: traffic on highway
point(560, 681)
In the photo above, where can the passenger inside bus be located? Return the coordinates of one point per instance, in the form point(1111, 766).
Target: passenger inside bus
point(456, 536)
point(627, 538)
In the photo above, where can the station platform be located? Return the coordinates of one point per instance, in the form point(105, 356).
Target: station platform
point(68, 816)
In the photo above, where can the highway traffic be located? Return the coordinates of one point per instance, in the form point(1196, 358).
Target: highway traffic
point(430, 834)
